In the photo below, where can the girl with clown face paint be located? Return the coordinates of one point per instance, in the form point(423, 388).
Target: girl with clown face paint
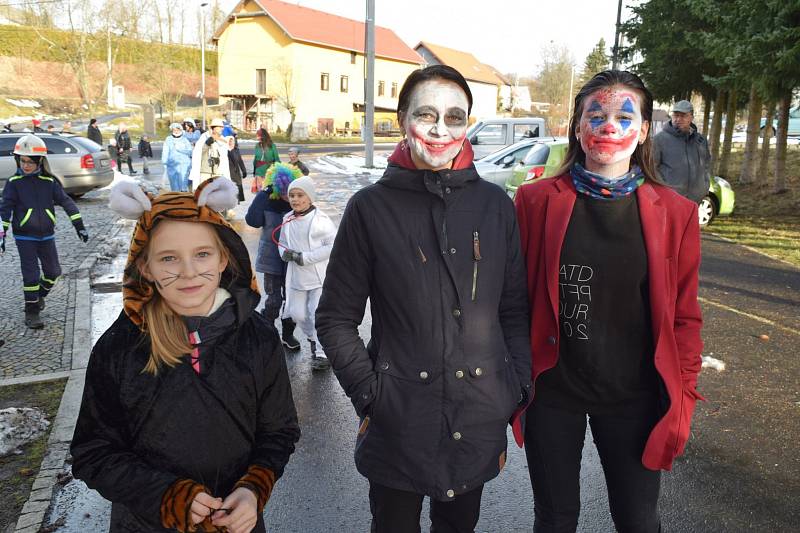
point(435, 249)
point(613, 257)
point(435, 123)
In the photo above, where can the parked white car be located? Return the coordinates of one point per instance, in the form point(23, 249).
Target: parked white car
point(497, 167)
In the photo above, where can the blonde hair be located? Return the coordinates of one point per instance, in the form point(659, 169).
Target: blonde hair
point(169, 336)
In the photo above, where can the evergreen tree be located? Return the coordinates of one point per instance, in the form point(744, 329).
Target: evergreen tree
point(596, 61)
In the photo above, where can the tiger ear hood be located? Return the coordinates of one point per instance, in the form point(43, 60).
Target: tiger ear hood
point(130, 201)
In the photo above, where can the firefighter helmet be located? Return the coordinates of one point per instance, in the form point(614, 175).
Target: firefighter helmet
point(30, 145)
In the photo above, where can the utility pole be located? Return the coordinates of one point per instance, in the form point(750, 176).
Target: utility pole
point(110, 88)
point(203, 59)
point(615, 58)
point(569, 97)
point(369, 86)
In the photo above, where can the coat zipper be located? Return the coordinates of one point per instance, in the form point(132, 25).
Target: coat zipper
point(422, 254)
point(476, 256)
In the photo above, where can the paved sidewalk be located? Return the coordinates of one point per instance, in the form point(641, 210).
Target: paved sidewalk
point(30, 352)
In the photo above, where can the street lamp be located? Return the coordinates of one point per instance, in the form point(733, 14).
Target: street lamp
point(203, 60)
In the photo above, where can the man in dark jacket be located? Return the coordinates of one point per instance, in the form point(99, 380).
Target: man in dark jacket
point(436, 251)
point(124, 148)
point(93, 132)
point(681, 154)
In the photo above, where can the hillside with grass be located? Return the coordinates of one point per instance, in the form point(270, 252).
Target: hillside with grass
point(32, 66)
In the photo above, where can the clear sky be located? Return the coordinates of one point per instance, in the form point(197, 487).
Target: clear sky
point(503, 33)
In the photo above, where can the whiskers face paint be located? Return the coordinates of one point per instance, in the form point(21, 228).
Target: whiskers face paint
point(186, 265)
point(436, 123)
point(610, 127)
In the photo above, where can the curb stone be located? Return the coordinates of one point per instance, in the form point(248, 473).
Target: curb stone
point(34, 512)
point(35, 509)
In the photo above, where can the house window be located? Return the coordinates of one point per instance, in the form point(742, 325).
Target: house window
point(261, 81)
point(394, 89)
point(323, 81)
point(381, 88)
point(344, 84)
point(352, 58)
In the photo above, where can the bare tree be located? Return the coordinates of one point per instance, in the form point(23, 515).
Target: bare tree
point(284, 92)
point(76, 48)
point(554, 81)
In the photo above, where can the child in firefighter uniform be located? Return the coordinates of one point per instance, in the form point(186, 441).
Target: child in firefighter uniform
point(28, 208)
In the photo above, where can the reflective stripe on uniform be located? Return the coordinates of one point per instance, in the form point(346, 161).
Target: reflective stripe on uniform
point(6, 224)
point(26, 217)
point(30, 288)
point(50, 214)
point(50, 281)
point(76, 216)
point(45, 178)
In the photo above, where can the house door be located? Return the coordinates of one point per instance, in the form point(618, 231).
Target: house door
point(325, 126)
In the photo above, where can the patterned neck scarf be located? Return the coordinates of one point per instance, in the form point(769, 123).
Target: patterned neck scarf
point(597, 186)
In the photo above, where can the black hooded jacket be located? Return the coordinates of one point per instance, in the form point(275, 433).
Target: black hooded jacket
point(138, 433)
point(438, 256)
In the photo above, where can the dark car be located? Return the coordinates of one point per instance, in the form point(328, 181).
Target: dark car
point(79, 164)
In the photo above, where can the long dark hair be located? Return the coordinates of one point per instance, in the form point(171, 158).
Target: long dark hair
point(264, 139)
point(643, 155)
point(434, 72)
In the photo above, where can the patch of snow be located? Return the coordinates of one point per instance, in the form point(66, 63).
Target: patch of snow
point(19, 426)
point(349, 165)
point(711, 362)
point(106, 307)
point(23, 102)
point(118, 177)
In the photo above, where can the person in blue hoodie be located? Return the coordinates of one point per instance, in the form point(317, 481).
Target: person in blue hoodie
point(177, 158)
point(28, 208)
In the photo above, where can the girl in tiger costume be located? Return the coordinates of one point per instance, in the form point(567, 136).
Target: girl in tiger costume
point(187, 418)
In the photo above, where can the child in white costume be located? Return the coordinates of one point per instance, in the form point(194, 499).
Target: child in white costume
point(306, 240)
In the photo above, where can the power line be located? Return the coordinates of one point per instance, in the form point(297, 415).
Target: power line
point(31, 3)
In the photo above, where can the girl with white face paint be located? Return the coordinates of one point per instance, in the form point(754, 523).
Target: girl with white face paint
point(435, 123)
point(435, 250)
point(622, 251)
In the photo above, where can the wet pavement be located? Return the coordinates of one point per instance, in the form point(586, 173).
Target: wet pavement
point(740, 472)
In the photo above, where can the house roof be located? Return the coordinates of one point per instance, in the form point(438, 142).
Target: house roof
point(311, 26)
point(464, 62)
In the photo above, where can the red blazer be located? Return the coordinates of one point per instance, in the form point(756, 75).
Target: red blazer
point(672, 239)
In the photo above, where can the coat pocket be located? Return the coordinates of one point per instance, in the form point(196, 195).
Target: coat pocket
point(493, 390)
point(409, 397)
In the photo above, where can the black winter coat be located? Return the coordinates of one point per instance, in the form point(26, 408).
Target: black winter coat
point(95, 134)
point(123, 140)
point(438, 256)
point(144, 149)
point(137, 433)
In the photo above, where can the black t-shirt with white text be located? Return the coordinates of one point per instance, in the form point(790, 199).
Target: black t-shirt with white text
point(605, 361)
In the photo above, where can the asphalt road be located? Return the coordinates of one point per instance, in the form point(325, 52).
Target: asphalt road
point(740, 471)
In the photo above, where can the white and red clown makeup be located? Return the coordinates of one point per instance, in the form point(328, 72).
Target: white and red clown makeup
point(435, 123)
point(611, 127)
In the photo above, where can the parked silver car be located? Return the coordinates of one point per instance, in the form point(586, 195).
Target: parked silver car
point(79, 164)
point(498, 166)
point(492, 134)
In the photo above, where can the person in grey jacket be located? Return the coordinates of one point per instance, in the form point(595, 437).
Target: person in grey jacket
point(681, 154)
point(436, 251)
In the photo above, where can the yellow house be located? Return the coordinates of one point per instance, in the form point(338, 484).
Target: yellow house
point(277, 59)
